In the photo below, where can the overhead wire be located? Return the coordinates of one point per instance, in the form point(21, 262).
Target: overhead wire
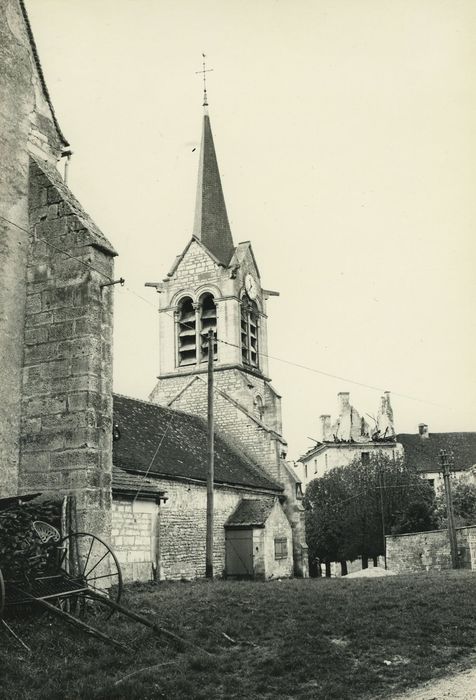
point(314, 370)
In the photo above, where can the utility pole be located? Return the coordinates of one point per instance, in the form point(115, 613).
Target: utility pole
point(382, 513)
point(211, 460)
point(446, 460)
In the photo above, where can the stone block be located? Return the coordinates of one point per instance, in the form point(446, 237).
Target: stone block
point(75, 459)
point(64, 421)
point(35, 461)
point(45, 406)
point(61, 331)
point(33, 336)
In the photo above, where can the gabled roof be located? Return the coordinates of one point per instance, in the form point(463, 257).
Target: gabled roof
point(39, 69)
point(240, 253)
point(173, 444)
point(423, 453)
point(251, 513)
point(180, 257)
point(96, 237)
point(211, 219)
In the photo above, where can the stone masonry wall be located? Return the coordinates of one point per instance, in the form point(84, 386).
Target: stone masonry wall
point(428, 551)
point(66, 431)
point(133, 537)
point(261, 445)
point(26, 122)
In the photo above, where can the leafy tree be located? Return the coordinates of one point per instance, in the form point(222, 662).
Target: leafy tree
point(463, 491)
point(349, 509)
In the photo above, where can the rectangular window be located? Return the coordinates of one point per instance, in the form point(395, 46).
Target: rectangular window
point(280, 548)
point(365, 457)
point(315, 466)
point(305, 471)
point(432, 483)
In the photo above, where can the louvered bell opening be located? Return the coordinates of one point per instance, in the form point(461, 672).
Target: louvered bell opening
point(187, 347)
point(208, 321)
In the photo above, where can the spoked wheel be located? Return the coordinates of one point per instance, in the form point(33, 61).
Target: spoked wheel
point(2, 595)
point(89, 561)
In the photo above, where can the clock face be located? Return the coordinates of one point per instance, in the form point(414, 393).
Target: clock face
point(251, 286)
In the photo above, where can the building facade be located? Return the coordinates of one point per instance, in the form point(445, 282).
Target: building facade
point(349, 437)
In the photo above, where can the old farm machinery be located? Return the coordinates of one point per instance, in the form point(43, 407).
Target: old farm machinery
point(75, 577)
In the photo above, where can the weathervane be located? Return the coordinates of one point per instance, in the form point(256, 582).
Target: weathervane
point(204, 71)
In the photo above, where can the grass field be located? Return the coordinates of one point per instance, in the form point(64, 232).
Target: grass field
point(361, 638)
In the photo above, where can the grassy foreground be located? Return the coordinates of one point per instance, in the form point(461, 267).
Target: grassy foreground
point(361, 638)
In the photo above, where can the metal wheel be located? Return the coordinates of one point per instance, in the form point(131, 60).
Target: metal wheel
point(2, 594)
point(88, 560)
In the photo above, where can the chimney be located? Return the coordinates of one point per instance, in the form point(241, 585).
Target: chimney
point(423, 430)
point(325, 427)
point(343, 402)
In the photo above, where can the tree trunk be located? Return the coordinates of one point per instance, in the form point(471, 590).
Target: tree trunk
point(375, 561)
point(365, 561)
point(328, 569)
point(343, 568)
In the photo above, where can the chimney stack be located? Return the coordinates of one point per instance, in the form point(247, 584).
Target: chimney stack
point(343, 401)
point(325, 427)
point(423, 430)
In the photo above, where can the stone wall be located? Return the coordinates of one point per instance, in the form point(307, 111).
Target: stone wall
point(26, 124)
point(66, 407)
point(242, 427)
point(429, 551)
point(277, 525)
point(133, 537)
point(175, 546)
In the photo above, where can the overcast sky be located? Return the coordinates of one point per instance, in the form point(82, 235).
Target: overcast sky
point(346, 143)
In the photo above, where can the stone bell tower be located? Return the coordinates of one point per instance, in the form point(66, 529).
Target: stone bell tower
point(214, 284)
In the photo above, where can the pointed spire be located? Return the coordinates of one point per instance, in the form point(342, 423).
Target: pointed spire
point(211, 225)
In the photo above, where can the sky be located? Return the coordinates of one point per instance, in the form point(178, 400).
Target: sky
point(345, 138)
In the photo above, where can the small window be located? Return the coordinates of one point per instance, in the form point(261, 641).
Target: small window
point(186, 330)
point(325, 458)
point(299, 494)
point(432, 483)
point(305, 471)
point(315, 466)
point(365, 458)
point(280, 548)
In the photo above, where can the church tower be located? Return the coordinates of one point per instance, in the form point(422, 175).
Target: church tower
point(214, 284)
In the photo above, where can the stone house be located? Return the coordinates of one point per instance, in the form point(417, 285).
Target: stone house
point(56, 401)
point(349, 437)
point(422, 450)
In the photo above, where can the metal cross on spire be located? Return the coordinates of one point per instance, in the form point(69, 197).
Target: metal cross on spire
point(204, 72)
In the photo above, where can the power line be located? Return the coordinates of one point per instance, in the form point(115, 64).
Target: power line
point(314, 370)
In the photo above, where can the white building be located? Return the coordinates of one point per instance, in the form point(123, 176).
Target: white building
point(350, 436)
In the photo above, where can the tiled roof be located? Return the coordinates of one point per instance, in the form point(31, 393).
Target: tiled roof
point(135, 484)
point(251, 513)
point(174, 444)
point(423, 453)
point(211, 220)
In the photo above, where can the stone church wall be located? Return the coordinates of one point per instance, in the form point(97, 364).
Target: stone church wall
point(26, 122)
point(66, 405)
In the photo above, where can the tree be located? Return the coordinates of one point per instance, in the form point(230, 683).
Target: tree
point(463, 491)
point(350, 509)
